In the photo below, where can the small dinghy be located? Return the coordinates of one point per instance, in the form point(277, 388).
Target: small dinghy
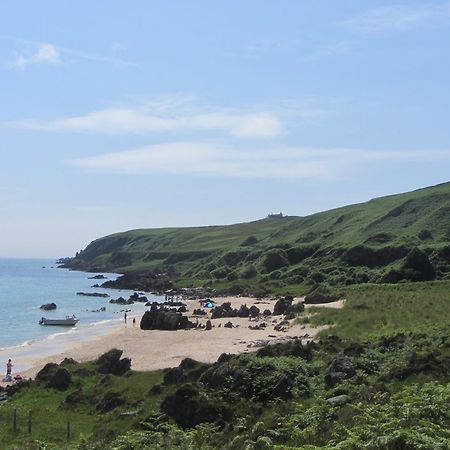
point(68, 321)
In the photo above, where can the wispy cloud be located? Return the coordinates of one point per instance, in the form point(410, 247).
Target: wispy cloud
point(46, 53)
point(397, 17)
point(185, 114)
point(240, 124)
point(43, 54)
point(218, 159)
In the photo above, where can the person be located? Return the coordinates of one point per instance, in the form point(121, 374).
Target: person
point(9, 366)
point(125, 317)
point(134, 321)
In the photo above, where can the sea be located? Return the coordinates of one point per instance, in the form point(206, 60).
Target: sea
point(26, 284)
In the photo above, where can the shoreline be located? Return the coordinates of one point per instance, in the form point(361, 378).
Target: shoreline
point(156, 349)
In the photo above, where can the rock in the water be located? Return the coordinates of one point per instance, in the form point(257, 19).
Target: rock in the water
point(93, 294)
point(122, 301)
point(48, 306)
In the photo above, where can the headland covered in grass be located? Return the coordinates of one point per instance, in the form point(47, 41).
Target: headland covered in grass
point(403, 237)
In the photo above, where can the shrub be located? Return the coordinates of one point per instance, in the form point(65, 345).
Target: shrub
point(417, 266)
point(275, 259)
point(249, 272)
point(251, 240)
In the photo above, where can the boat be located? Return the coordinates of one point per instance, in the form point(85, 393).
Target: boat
point(68, 321)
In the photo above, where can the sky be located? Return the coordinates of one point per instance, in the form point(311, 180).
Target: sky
point(121, 115)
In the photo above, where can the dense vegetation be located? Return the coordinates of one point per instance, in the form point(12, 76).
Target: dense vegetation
point(379, 378)
point(387, 240)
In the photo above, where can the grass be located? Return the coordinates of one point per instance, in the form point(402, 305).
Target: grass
point(386, 309)
point(50, 411)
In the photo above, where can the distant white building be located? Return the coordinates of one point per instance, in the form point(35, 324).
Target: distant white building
point(275, 216)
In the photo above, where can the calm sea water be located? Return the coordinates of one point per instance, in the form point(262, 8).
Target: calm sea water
point(26, 284)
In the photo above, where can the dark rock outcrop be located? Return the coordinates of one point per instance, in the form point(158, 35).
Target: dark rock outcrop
point(164, 319)
point(341, 368)
point(54, 376)
point(338, 400)
point(282, 305)
point(60, 380)
point(282, 388)
point(189, 407)
point(48, 306)
point(293, 311)
point(93, 294)
point(320, 295)
point(110, 362)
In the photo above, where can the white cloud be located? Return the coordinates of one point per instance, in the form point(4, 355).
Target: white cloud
point(398, 17)
point(260, 125)
point(44, 54)
point(217, 159)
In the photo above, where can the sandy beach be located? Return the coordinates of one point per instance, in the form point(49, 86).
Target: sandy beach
point(155, 349)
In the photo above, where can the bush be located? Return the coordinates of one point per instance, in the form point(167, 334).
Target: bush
point(417, 266)
point(251, 240)
point(275, 259)
point(249, 272)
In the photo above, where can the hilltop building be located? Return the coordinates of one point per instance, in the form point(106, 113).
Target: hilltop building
point(275, 216)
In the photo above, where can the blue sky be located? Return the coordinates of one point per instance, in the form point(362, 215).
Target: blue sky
point(118, 115)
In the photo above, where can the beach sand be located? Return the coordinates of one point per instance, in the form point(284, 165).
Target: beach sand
point(155, 349)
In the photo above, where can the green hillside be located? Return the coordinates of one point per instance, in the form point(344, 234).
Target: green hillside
point(389, 239)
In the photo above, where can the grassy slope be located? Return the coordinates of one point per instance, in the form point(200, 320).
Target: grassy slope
point(393, 220)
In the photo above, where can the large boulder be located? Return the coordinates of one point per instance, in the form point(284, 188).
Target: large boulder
point(338, 400)
point(282, 305)
point(320, 295)
point(54, 376)
point(60, 380)
point(293, 311)
point(110, 362)
point(224, 310)
point(340, 368)
point(47, 372)
point(253, 311)
point(282, 388)
point(189, 407)
point(164, 319)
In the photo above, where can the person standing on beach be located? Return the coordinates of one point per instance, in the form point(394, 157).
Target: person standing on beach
point(125, 317)
point(9, 366)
